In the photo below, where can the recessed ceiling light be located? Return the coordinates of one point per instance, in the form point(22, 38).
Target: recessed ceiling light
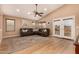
point(45, 9)
point(18, 10)
point(28, 13)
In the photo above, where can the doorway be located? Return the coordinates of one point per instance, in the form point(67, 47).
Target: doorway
point(64, 27)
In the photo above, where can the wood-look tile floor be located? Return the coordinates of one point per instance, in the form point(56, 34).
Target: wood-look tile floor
point(53, 46)
point(45, 45)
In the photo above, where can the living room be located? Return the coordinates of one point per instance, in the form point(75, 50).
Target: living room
point(32, 28)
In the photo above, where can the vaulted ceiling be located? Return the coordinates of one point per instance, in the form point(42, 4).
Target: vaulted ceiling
point(26, 10)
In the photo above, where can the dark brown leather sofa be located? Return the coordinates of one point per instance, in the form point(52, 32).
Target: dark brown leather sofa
point(44, 32)
point(29, 31)
point(26, 31)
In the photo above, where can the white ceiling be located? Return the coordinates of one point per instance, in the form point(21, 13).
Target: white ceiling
point(10, 9)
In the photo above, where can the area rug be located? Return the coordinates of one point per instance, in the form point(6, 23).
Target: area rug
point(11, 45)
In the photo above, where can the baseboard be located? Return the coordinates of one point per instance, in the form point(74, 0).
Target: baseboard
point(10, 36)
point(62, 38)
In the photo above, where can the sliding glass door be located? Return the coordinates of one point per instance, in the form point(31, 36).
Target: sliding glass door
point(56, 27)
point(64, 27)
point(68, 27)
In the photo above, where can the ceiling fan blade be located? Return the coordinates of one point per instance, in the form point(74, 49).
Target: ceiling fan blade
point(41, 13)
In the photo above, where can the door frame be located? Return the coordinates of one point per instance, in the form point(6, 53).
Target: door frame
point(54, 28)
point(73, 30)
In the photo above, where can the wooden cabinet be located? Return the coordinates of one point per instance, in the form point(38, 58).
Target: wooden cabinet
point(77, 45)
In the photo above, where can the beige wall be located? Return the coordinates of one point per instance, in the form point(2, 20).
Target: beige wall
point(1, 27)
point(18, 25)
point(64, 11)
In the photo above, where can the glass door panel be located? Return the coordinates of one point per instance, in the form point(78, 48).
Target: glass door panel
point(57, 27)
point(68, 27)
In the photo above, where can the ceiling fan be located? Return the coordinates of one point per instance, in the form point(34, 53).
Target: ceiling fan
point(37, 13)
